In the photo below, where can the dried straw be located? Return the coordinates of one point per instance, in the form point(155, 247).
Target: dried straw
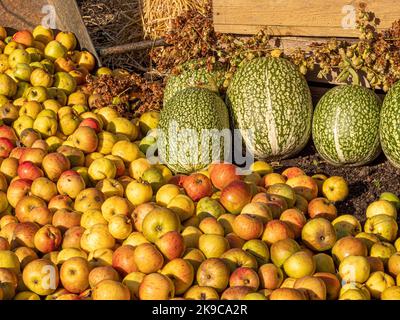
point(115, 22)
point(158, 14)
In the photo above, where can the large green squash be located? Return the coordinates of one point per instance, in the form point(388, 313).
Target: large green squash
point(270, 97)
point(190, 124)
point(346, 125)
point(390, 125)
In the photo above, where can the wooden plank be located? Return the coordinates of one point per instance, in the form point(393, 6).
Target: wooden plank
point(333, 18)
point(69, 18)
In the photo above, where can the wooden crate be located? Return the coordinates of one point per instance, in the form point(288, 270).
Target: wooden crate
point(313, 18)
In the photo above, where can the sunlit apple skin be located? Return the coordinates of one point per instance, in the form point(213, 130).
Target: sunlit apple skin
point(222, 174)
point(27, 170)
point(6, 146)
point(54, 164)
point(235, 196)
point(197, 186)
point(123, 260)
point(156, 286)
point(171, 245)
point(47, 239)
point(304, 186)
point(39, 272)
point(111, 290)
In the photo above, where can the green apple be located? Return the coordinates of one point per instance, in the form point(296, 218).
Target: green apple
point(8, 86)
point(18, 56)
point(65, 82)
point(38, 94)
point(391, 197)
point(46, 126)
point(54, 50)
point(69, 123)
point(22, 71)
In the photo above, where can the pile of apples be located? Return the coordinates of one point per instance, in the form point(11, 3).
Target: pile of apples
point(85, 215)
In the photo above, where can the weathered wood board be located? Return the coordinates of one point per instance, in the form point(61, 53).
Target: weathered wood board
point(314, 18)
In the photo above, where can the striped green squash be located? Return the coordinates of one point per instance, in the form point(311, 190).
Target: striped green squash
point(390, 125)
point(194, 76)
point(270, 97)
point(189, 122)
point(346, 125)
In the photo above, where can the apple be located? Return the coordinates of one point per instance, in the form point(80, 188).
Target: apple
point(4, 245)
point(271, 277)
point(248, 227)
point(222, 174)
point(28, 136)
point(60, 202)
point(234, 240)
point(65, 219)
point(324, 263)
point(354, 269)
point(236, 293)
point(70, 183)
point(74, 274)
point(235, 196)
point(123, 260)
point(287, 294)
point(304, 186)
point(123, 126)
point(110, 290)
point(191, 235)
point(69, 253)
point(9, 167)
point(276, 230)
point(89, 198)
point(381, 207)
point(72, 237)
point(213, 273)
point(295, 219)
point(28, 170)
point(54, 164)
point(137, 167)
point(98, 274)
point(171, 245)
point(181, 272)
point(97, 237)
point(8, 86)
point(140, 212)
point(321, 207)
point(318, 234)
point(9, 260)
point(197, 292)
point(368, 238)
point(166, 193)
point(197, 186)
point(235, 258)
point(102, 168)
point(149, 121)
point(156, 286)
point(392, 198)
point(376, 264)
point(273, 178)
point(207, 207)
point(353, 294)
point(292, 172)
point(384, 226)
point(85, 60)
point(85, 139)
point(379, 282)
point(391, 293)
point(285, 191)
point(24, 37)
point(120, 226)
point(258, 249)
point(276, 203)
point(35, 155)
point(41, 277)
point(195, 257)
point(138, 193)
point(335, 189)
point(158, 222)
point(210, 225)
point(127, 151)
point(8, 132)
point(6, 146)
point(91, 217)
point(26, 205)
point(47, 239)
point(8, 283)
point(112, 187)
point(394, 264)
point(346, 225)
point(100, 257)
point(313, 287)
point(383, 251)
point(212, 245)
point(134, 239)
point(348, 246)
point(74, 155)
point(67, 39)
point(282, 250)
point(299, 264)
